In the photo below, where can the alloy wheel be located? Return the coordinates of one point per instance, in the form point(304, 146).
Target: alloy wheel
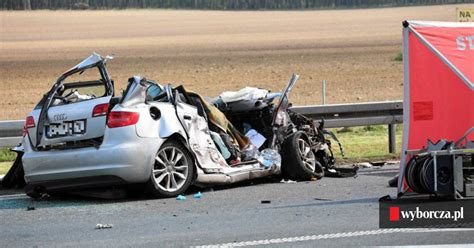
point(170, 169)
point(307, 156)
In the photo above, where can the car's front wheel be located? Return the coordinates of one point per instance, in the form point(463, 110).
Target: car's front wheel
point(172, 172)
point(298, 160)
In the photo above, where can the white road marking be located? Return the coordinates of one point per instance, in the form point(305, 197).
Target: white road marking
point(334, 236)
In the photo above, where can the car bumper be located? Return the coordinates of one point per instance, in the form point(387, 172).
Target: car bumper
point(129, 161)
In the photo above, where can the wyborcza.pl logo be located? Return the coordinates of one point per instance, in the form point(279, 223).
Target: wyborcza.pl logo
point(426, 213)
point(396, 214)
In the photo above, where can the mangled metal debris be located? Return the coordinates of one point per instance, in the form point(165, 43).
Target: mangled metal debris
point(180, 197)
point(198, 195)
point(104, 226)
point(287, 181)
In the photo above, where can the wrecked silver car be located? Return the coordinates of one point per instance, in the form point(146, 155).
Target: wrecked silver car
point(162, 137)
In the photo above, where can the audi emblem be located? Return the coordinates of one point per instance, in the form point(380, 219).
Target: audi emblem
point(59, 117)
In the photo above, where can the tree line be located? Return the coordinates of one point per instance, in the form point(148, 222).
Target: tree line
point(213, 4)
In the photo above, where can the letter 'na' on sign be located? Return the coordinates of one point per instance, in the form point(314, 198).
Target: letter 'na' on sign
point(464, 15)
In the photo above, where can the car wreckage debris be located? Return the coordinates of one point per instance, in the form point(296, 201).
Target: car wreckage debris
point(322, 199)
point(364, 165)
point(343, 172)
point(104, 226)
point(180, 197)
point(198, 195)
point(32, 206)
point(393, 182)
point(269, 157)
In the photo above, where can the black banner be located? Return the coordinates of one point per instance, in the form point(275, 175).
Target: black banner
point(426, 213)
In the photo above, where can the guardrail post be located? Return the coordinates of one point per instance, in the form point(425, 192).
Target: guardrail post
point(323, 92)
point(392, 138)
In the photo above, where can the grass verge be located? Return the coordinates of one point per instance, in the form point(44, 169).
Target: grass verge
point(366, 144)
point(6, 160)
point(6, 155)
point(5, 166)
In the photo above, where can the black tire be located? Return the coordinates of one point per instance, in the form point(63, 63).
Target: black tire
point(413, 176)
point(427, 176)
point(409, 173)
point(298, 164)
point(15, 176)
point(166, 174)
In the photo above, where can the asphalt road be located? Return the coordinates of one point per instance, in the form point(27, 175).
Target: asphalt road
point(330, 212)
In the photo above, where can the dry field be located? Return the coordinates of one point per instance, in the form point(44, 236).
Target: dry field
point(212, 51)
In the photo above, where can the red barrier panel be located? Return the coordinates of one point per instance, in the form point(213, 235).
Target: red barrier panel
point(438, 84)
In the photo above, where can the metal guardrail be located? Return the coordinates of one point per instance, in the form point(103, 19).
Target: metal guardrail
point(359, 114)
point(10, 132)
point(355, 114)
point(334, 115)
point(11, 128)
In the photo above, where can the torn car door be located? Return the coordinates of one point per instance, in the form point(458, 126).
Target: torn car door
point(200, 141)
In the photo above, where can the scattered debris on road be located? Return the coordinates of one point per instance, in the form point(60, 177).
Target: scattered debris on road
point(322, 199)
point(180, 197)
point(343, 171)
point(266, 202)
point(104, 226)
point(32, 206)
point(364, 165)
point(198, 195)
point(287, 181)
point(393, 181)
point(384, 163)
